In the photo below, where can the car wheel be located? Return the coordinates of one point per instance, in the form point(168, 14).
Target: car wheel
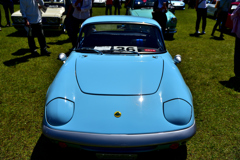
point(64, 29)
point(169, 36)
point(179, 154)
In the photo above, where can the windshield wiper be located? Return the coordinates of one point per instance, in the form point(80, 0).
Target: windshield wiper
point(123, 51)
point(88, 49)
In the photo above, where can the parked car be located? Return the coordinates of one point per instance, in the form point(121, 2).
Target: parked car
point(119, 91)
point(144, 8)
point(229, 22)
point(52, 19)
point(177, 4)
point(211, 11)
point(99, 3)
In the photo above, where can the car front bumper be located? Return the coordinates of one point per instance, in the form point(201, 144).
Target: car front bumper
point(170, 30)
point(179, 7)
point(119, 140)
point(55, 27)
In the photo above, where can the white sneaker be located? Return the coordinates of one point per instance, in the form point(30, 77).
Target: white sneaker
point(203, 32)
point(0, 29)
point(197, 32)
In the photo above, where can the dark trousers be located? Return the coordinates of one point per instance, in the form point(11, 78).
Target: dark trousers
point(237, 57)
point(201, 14)
point(117, 8)
point(222, 18)
point(161, 18)
point(0, 18)
point(75, 26)
point(108, 7)
point(8, 6)
point(37, 31)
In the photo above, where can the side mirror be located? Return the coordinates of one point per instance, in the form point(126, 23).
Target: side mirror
point(177, 59)
point(62, 57)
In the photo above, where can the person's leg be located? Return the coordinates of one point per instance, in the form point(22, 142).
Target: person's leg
point(237, 57)
point(110, 8)
point(41, 37)
point(119, 7)
point(106, 11)
point(162, 21)
point(5, 7)
point(219, 19)
point(11, 8)
point(0, 20)
point(204, 20)
point(198, 19)
point(115, 10)
point(76, 25)
point(31, 42)
point(127, 8)
point(224, 19)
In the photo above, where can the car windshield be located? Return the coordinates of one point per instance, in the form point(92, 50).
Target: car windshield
point(233, 7)
point(54, 3)
point(112, 38)
point(144, 4)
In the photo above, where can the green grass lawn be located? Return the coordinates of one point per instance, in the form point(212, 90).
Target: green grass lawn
point(207, 67)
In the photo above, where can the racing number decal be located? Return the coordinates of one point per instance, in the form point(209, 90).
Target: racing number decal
point(126, 48)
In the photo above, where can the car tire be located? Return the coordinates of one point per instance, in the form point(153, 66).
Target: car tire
point(169, 36)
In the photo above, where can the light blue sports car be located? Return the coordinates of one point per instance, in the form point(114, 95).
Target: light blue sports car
point(119, 91)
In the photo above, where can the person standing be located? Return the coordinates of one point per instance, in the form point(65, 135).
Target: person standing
point(8, 6)
point(201, 8)
point(30, 10)
point(117, 5)
point(80, 14)
point(159, 13)
point(109, 4)
point(128, 4)
point(235, 16)
point(223, 8)
point(0, 17)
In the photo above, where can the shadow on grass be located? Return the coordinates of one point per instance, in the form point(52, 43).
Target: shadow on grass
point(60, 42)
point(20, 52)
point(45, 150)
point(196, 34)
point(217, 38)
point(233, 83)
point(23, 33)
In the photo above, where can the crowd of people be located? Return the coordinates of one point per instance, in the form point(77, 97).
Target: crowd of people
point(223, 8)
point(77, 11)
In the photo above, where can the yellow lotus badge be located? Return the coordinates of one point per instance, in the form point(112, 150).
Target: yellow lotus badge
point(117, 114)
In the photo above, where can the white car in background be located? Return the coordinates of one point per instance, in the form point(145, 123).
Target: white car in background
point(52, 19)
point(99, 3)
point(177, 4)
point(211, 10)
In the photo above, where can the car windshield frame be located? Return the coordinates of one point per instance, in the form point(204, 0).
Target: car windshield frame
point(122, 40)
point(138, 4)
point(54, 3)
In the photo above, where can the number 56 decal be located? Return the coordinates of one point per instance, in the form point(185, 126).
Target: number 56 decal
point(126, 48)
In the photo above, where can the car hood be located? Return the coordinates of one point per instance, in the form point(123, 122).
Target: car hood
point(54, 12)
point(143, 12)
point(122, 75)
point(177, 3)
point(51, 12)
